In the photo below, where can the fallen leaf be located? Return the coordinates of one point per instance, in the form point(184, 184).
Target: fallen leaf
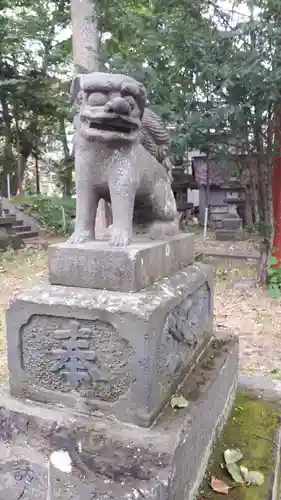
point(179, 402)
point(232, 456)
point(234, 471)
point(255, 477)
point(244, 472)
point(219, 486)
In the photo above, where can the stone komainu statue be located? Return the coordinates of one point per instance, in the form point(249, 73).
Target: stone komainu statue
point(111, 163)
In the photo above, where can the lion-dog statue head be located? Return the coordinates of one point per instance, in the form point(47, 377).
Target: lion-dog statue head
point(110, 106)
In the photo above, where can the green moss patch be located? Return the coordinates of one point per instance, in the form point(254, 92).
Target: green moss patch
point(251, 428)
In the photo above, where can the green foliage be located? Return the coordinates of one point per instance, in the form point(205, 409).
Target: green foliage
point(33, 93)
point(274, 278)
point(51, 212)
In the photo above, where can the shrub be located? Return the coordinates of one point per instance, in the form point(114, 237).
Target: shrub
point(52, 213)
point(274, 278)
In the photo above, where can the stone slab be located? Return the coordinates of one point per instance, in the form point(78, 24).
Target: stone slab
point(126, 269)
point(8, 220)
point(110, 352)
point(9, 241)
point(229, 235)
point(232, 224)
point(115, 461)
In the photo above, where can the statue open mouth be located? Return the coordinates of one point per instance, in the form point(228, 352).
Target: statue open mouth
point(114, 126)
point(109, 128)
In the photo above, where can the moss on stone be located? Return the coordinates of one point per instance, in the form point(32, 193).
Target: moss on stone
point(251, 428)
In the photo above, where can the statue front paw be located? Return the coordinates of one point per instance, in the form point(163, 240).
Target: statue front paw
point(81, 237)
point(120, 237)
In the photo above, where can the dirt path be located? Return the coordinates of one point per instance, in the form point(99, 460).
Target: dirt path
point(248, 311)
point(18, 271)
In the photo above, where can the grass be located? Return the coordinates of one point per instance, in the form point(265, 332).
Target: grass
point(18, 271)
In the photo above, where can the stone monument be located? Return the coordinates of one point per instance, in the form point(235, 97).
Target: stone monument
point(96, 355)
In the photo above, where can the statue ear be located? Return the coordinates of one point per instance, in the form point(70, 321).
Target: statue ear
point(142, 98)
point(75, 88)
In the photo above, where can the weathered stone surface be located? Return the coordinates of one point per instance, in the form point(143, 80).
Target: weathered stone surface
point(232, 223)
point(97, 265)
point(117, 353)
point(7, 221)
point(21, 479)
point(108, 136)
point(113, 461)
point(8, 240)
point(228, 235)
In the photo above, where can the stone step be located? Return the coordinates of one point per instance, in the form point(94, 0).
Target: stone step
point(28, 234)
point(7, 220)
point(230, 235)
point(20, 228)
point(232, 224)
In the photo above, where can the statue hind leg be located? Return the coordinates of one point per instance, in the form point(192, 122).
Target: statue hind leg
point(165, 211)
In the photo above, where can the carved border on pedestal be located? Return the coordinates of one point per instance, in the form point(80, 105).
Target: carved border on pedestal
point(67, 354)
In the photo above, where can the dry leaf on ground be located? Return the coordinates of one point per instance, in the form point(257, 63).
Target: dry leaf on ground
point(179, 402)
point(255, 477)
point(232, 456)
point(219, 486)
point(235, 472)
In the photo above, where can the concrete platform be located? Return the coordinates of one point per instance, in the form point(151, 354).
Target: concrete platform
point(113, 460)
point(125, 269)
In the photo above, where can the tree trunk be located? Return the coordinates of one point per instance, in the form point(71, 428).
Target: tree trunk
point(276, 195)
point(85, 35)
point(263, 262)
point(248, 209)
point(254, 191)
point(85, 43)
point(19, 160)
point(270, 202)
point(67, 177)
point(37, 175)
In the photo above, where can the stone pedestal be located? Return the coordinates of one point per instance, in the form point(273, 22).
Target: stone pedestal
point(123, 269)
point(114, 460)
point(107, 356)
point(231, 225)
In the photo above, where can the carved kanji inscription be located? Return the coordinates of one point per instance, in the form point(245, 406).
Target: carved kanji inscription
point(74, 360)
point(67, 354)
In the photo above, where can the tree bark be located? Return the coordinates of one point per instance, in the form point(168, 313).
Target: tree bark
point(67, 177)
point(254, 190)
point(85, 35)
point(276, 194)
point(37, 175)
point(248, 209)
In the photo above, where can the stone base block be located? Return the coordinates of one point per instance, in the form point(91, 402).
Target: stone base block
point(229, 235)
point(110, 352)
point(125, 269)
point(9, 241)
point(232, 224)
point(115, 461)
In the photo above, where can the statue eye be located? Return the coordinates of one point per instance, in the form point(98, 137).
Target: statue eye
point(130, 100)
point(97, 99)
